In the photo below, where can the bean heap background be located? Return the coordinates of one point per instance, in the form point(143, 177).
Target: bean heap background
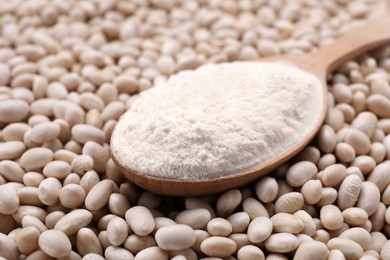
point(69, 69)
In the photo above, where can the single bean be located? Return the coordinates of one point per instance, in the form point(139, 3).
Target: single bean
point(299, 173)
point(281, 243)
point(195, 218)
point(219, 227)
point(73, 221)
point(350, 248)
point(218, 246)
point(311, 250)
point(117, 231)
point(140, 220)
point(259, 229)
point(87, 242)
point(286, 223)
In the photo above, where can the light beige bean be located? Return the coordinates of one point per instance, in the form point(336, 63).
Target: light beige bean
point(218, 246)
point(259, 229)
point(378, 240)
point(13, 110)
point(135, 243)
point(8, 248)
point(89, 180)
point(27, 240)
point(333, 175)
point(347, 111)
point(48, 191)
point(250, 252)
point(289, 202)
point(379, 105)
point(325, 161)
point(71, 196)
point(342, 93)
point(365, 122)
point(379, 176)
point(350, 249)
point(52, 218)
point(140, 220)
point(175, 237)
point(73, 221)
point(281, 243)
point(99, 195)
point(87, 242)
point(153, 252)
point(254, 208)
point(331, 217)
point(386, 196)
point(349, 191)
point(113, 111)
point(358, 140)
point(334, 118)
point(31, 221)
point(219, 227)
point(25, 210)
point(311, 250)
point(98, 153)
point(377, 152)
point(114, 252)
point(57, 169)
point(15, 131)
point(239, 221)
point(359, 235)
point(11, 171)
point(81, 164)
point(311, 191)
point(36, 158)
point(55, 243)
point(83, 133)
point(93, 256)
point(11, 150)
point(195, 218)
point(91, 101)
point(328, 196)
point(44, 132)
point(369, 197)
point(286, 223)
point(310, 153)
point(9, 200)
point(385, 251)
point(117, 231)
point(228, 202)
point(355, 216)
point(326, 139)
point(300, 172)
point(345, 152)
point(309, 227)
point(365, 163)
point(266, 189)
point(64, 155)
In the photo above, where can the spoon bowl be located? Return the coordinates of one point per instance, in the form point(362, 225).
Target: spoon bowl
point(319, 63)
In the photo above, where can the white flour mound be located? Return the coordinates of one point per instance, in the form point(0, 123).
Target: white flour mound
point(218, 119)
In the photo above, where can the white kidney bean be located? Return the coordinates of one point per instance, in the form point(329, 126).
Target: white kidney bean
point(36, 158)
point(369, 197)
point(311, 191)
point(73, 221)
point(219, 227)
point(281, 243)
point(286, 223)
point(259, 229)
point(289, 202)
point(266, 189)
point(9, 200)
point(55, 243)
point(218, 246)
point(311, 250)
point(350, 248)
point(333, 175)
point(228, 202)
point(88, 242)
point(195, 218)
point(117, 231)
point(239, 221)
point(349, 191)
point(355, 216)
point(299, 173)
point(140, 220)
point(153, 252)
point(175, 237)
point(99, 195)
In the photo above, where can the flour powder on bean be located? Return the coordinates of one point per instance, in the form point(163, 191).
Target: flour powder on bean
point(218, 119)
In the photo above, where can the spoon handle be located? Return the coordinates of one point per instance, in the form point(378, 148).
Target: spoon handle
point(374, 33)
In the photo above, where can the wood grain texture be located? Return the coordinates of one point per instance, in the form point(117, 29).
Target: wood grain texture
point(373, 34)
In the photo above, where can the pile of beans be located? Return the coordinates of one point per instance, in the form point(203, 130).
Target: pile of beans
point(69, 69)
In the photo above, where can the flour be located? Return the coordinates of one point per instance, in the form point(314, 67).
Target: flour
point(218, 120)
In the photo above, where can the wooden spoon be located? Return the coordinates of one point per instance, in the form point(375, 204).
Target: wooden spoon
point(320, 63)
